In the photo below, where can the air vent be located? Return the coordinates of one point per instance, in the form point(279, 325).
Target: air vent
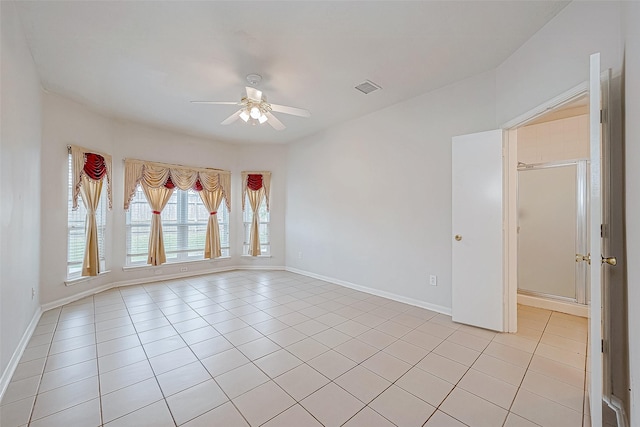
point(367, 87)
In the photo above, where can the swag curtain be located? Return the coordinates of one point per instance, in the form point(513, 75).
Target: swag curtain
point(213, 185)
point(89, 169)
point(256, 188)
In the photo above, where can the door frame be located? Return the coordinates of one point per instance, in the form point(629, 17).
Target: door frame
point(510, 192)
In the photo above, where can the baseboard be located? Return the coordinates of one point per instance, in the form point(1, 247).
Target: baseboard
point(75, 297)
point(259, 267)
point(373, 291)
point(17, 354)
point(549, 304)
point(159, 278)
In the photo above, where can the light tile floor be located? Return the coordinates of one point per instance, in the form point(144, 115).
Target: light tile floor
point(279, 349)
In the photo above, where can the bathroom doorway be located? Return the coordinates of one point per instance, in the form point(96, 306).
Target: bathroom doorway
point(552, 194)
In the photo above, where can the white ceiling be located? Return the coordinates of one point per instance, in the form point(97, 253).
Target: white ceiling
point(146, 60)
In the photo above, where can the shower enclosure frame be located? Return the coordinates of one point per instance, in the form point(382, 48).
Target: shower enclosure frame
point(582, 230)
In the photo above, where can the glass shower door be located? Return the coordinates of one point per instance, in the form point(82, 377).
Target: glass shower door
point(548, 231)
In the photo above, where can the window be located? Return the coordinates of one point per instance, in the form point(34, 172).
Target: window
point(76, 234)
point(263, 217)
point(184, 227)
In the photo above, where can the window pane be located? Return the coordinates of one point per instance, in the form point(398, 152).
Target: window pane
point(184, 226)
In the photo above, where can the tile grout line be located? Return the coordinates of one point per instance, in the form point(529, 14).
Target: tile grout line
point(35, 400)
point(527, 370)
point(182, 291)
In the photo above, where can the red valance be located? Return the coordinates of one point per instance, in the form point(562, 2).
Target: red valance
point(94, 166)
point(169, 184)
point(254, 182)
point(88, 163)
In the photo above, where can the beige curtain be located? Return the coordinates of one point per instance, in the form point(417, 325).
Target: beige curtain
point(90, 191)
point(255, 198)
point(155, 175)
point(212, 200)
point(157, 199)
point(132, 177)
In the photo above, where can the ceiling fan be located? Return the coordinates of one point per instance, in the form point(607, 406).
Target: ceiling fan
point(255, 109)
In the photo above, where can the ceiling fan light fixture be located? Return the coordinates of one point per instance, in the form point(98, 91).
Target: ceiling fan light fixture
point(262, 119)
point(244, 115)
point(255, 112)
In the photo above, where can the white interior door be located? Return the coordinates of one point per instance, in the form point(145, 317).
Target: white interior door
point(477, 193)
point(598, 247)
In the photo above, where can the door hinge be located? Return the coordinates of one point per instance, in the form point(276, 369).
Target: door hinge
point(604, 230)
point(603, 116)
point(602, 346)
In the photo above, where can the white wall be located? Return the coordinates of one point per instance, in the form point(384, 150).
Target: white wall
point(19, 186)
point(369, 201)
point(631, 17)
point(556, 58)
point(67, 122)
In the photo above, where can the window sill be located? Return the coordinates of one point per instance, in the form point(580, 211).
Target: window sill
point(170, 264)
point(259, 256)
point(75, 281)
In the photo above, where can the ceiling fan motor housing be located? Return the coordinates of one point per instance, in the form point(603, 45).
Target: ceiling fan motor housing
point(254, 79)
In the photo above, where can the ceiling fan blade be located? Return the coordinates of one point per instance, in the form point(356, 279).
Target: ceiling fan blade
point(216, 102)
point(232, 118)
point(274, 122)
point(253, 93)
point(290, 110)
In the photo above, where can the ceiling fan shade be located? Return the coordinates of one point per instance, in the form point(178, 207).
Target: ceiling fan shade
point(256, 110)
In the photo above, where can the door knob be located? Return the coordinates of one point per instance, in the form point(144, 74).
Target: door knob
point(610, 260)
point(458, 237)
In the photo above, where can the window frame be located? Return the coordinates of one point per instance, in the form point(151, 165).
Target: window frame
point(182, 226)
point(76, 226)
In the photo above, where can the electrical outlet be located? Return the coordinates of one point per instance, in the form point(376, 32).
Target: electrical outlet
point(433, 280)
point(300, 255)
point(33, 293)
point(183, 269)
